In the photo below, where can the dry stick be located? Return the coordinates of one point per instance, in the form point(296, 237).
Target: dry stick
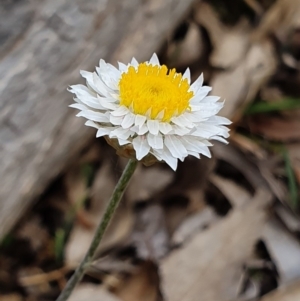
point(111, 207)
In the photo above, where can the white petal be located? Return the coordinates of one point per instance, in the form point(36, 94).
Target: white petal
point(216, 107)
point(101, 89)
point(141, 147)
point(181, 131)
point(107, 104)
point(194, 154)
point(167, 157)
point(218, 138)
point(122, 67)
point(197, 84)
point(165, 127)
point(82, 90)
point(134, 62)
point(194, 145)
point(139, 120)
point(78, 106)
point(182, 121)
point(103, 131)
point(85, 96)
point(128, 120)
point(121, 111)
point(92, 124)
point(101, 86)
point(116, 120)
point(123, 142)
point(120, 133)
point(201, 95)
point(160, 115)
point(193, 117)
point(219, 120)
point(175, 146)
point(187, 75)
point(210, 99)
point(154, 60)
point(94, 116)
point(153, 126)
point(155, 141)
point(143, 130)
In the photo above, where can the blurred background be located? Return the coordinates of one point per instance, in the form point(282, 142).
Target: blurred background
point(218, 229)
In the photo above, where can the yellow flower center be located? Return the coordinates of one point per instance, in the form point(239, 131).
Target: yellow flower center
point(153, 87)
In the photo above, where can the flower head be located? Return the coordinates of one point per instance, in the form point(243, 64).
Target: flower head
point(151, 110)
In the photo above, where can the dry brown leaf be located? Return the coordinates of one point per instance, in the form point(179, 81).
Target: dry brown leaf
point(290, 292)
point(281, 19)
point(11, 297)
point(85, 292)
point(288, 217)
point(141, 286)
point(147, 181)
point(224, 38)
point(275, 128)
point(238, 86)
point(210, 264)
point(150, 235)
point(189, 50)
point(248, 64)
point(294, 154)
point(284, 250)
point(118, 229)
point(33, 230)
point(234, 157)
point(248, 145)
point(237, 195)
point(192, 224)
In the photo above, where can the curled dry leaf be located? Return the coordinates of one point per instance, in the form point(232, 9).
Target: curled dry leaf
point(236, 158)
point(281, 19)
point(288, 217)
point(93, 292)
point(192, 224)
point(150, 235)
point(236, 194)
point(246, 69)
point(142, 285)
point(223, 38)
point(284, 250)
point(119, 228)
point(210, 264)
point(275, 128)
point(294, 154)
point(289, 292)
point(146, 182)
point(189, 50)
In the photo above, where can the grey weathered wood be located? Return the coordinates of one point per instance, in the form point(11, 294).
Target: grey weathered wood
point(44, 43)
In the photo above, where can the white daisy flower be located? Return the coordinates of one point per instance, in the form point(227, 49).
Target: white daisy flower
point(152, 109)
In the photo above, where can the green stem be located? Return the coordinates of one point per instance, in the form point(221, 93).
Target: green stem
point(111, 207)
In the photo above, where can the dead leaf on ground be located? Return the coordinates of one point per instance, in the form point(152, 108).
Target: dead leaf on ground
point(185, 52)
point(275, 128)
point(192, 224)
point(11, 297)
point(289, 292)
point(210, 264)
point(236, 194)
point(118, 229)
point(85, 292)
point(284, 250)
point(150, 235)
point(142, 285)
point(238, 160)
point(294, 154)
